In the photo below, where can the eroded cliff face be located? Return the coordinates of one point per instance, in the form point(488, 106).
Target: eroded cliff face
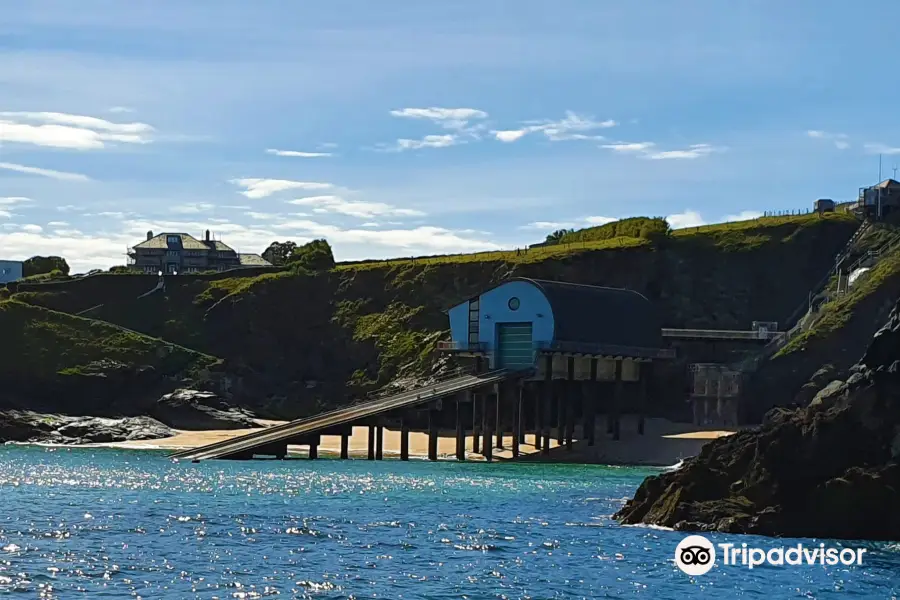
point(830, 470)
point(293, 344)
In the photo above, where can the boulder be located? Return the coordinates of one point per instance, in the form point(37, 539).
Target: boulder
point(27, 426)
point(199, 410)
point(828, 470)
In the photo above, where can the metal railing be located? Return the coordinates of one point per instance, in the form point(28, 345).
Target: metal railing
point(461, 347)
point(721, 334)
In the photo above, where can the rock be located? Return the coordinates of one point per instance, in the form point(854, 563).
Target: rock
point(198, 410)
point(26, 426)
point(828, 470)
point(815, 384)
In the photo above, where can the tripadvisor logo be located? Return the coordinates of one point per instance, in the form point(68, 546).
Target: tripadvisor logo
point(696, 555)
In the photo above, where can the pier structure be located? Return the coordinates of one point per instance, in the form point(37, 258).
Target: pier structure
point(542, 358)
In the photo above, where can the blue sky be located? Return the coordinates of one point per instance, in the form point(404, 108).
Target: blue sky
point(403, 128)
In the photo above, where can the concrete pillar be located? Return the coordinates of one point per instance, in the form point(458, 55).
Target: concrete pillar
point(516, 396)
point(476, 431)
point(314, 447)
point(404, 438)
point(559, 406)
point(645, 374)
point(521, 398)
point(432, 433)
point(487, 440)
point(371, 440)
point(547, 402)
point(617, 402)
point(500, 394)
point(345, 446)
point(590, 405)
point(379, 442)
point(538, 399)
point(569, 403)
point(460, 430)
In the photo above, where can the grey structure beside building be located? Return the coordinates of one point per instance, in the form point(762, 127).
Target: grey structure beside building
point(172, 253)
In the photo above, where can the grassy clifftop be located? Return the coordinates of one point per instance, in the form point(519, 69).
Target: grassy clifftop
point(305, 341)
point(45, 351)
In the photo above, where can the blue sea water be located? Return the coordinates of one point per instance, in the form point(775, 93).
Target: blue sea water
point(132, 524)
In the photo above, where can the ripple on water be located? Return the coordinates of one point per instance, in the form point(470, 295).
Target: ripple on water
point(118, 523)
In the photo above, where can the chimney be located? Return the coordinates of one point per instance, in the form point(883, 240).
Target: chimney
point(207, 235)
point(149, 235)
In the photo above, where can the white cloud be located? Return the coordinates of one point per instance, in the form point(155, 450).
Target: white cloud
point(362, 210)
point(62, 175)
point(449, 118)
point(10, 200)
point(5, 214)
point(62, 130)
point(429, 141)
point(571, 127)
point(881, 149)
point(838, 139)
point(545, 226)
point(297, 153)
point(580, 223)
point(629, 146)
point(693, 151)
point(688, 218)
point(68, 208)
point(32, 228)
point(262, 188)
point(599, 220)
point(121, 109)
point(186, 209)
point(58, 224)
point(262, 216)
point(744, 215)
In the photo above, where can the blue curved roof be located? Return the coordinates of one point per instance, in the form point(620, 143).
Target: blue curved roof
point(600, 315)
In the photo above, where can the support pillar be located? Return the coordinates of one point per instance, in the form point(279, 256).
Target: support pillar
point(404, 438)
point(460, 430)
point(432, 433)
point(487, 442)
point(476, 431)
point(379, 442)
point(617, 403)
point(314, 447)
point(569, 402)
point(538, 413)
point(590, 405)
point(518, 431)
point(500, 393)
point(646, 372)
point(547, 402)
point(371, 440)
point(345, 446)
point(520, 412)
point(560, 405)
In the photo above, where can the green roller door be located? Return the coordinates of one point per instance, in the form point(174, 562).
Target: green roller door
point(514, 347)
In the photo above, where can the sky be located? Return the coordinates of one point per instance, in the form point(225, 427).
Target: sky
point(409, 128)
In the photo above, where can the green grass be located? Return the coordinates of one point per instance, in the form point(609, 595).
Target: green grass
point(43, 343)
point(219, 289)
point(835, 315)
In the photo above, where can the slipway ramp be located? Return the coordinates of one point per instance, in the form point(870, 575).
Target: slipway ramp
point(343, 416)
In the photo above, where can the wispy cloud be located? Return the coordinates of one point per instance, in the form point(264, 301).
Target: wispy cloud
point(63, 130)
point(353, 208)
point(649, 150)
point(121, 109)
point(744, 215)
point(189, 209)
point(840, 140)
point(262, 188)
point(61, 175)
point(429, 141)
point(688, 218)
point(298, 153)
point(572, 127)
point(592, 221)
point(881, 149)
point(10, 200)
point(449, 118)
point(32, 228)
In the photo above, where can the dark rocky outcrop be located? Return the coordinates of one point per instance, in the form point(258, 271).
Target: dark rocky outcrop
point(830, 470)
point(199, 410)
point(27, 426)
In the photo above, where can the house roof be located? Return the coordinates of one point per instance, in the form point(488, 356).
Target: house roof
point(253, 260)
point(601, 315)
point(188, 242)
point(887, 184)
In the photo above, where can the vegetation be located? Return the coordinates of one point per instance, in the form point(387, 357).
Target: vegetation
point(646, 228)
point(313, 257)
point(48, 343)
point(41, 265)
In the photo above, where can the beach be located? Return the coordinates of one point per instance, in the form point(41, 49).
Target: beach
point(663, 443)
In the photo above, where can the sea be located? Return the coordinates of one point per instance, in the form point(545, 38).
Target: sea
point(105, 523)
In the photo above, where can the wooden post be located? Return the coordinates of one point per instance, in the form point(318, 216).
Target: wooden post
point(371, 440)
point(645, 375)
point(590, 405)
point(404, 438)
point(569, 399)
point(460, 431)
point(379, 442)
point(547, 404)
point(500, 391)
point(486, 440)
point(314, 447)
point(538, 413)
point(520, 412)
point(345, 446)
point(432, 433)
point(517, 419)
point(617, 402)
point(476, 431)
point(559, 403)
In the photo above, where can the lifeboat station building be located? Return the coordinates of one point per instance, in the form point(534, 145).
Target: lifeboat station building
point(572, 352)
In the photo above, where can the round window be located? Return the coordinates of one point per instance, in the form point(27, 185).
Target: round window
point(513, 304)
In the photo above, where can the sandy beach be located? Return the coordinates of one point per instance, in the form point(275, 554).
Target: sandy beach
point(664, 443)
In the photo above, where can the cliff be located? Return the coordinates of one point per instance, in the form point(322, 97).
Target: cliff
point(296, 343)
point(830, 470)
point(55, 361)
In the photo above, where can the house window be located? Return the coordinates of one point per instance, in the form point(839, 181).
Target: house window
point(513, 303)
point(172, 253)
point(172, 239)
